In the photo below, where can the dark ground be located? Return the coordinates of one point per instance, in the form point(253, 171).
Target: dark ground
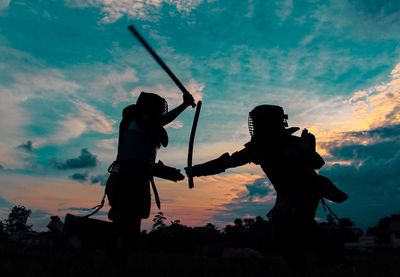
point(18, 261)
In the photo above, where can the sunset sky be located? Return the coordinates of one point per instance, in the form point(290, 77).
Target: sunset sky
point(68, 67)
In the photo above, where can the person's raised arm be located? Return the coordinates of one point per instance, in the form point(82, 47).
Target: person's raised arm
point(308, 144)
point(171, 115)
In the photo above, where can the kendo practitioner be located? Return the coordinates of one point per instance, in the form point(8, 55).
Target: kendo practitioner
point(290, 163)
point(141, 133)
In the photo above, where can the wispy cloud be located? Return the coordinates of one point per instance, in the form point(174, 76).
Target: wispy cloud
point(284, 9)
point(115, 9)
point(361, 20)
point(117, 81)
point(4, 203)
point(369, 109)
point(37, 84)
point(12, 118)
point(26, 79)
point(4, 4)
point(171, 93)
point(84, 118)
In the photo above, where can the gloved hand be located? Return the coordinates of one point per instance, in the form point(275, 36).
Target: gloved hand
point(188, 99)
point(178, 176)
point(167, 172)
point(195, 171)
point(189, 171)
point(308, 141)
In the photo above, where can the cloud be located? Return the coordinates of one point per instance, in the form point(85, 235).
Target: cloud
point(109, 144)
point(12, 119)
point(25, 80)
point(186, 5)
point(372, 185)
point(284, 9)
point(260, 188)
point(4, 4)
point(99, 179)
point(176, 124)
point(42, 80)
point(256, 200)
point(366, 20)
point(342, 120)
point(171, 93)
point(380, 142)
point(93, 119)
point(250, 11)
point(26, 146)
point(84, 177)
point(115, 9)
point(85, 118)
point(370, 176)
point(84, 160)
point(379, 105)
point(117, 81)
point(29, 78)
point(81, 177)
point(4, 203)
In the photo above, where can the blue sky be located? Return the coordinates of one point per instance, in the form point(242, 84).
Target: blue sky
point(69, 67)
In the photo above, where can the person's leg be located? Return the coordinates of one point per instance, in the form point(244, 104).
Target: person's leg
point(329, 246)
point(123, 240)
point(130, 235)
point(291, 244)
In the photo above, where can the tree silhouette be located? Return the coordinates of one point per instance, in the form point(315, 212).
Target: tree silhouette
point(248, 223)
point(381, 230)
point(343, 230)
point(17, 220)
point(2, 230)
point(158, 220)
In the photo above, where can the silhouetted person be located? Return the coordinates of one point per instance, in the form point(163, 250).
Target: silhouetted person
point(141, 133)
point(289, 163)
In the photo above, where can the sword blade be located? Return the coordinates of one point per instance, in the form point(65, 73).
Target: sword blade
point(191, 142)
point(159, 60)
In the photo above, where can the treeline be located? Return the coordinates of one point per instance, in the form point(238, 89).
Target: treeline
point(173, 236)
point(255, 233)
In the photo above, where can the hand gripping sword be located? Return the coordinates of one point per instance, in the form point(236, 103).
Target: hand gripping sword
point(180, 86)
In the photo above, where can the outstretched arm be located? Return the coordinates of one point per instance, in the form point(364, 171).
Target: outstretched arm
point(171, 115)
point(219, 165)
point(166, 172)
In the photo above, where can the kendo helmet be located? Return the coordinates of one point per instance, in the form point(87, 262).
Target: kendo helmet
point(151, 103)
point(267, 118)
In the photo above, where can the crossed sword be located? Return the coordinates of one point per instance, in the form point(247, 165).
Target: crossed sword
point(183, 90)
